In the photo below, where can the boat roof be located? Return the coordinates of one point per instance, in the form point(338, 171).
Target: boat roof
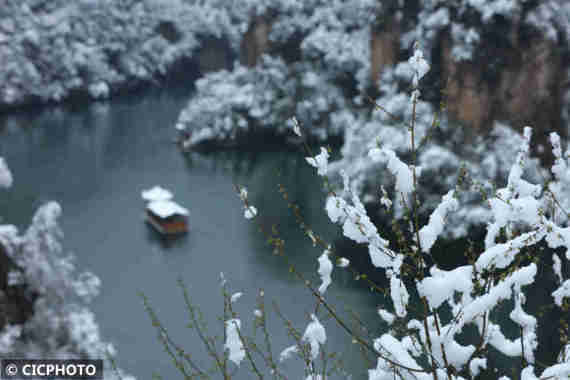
point(157, 193)
point(166, 208)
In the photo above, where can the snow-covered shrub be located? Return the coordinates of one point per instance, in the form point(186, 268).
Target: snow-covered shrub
point(61, 324)
point(230, 103)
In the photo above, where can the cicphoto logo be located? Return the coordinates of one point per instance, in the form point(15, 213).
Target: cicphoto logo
point(40, 368)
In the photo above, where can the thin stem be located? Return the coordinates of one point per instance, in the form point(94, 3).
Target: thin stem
point(195, 322)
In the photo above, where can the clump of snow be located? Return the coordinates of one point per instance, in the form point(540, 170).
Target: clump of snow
point(335, 207)
point(250, 212)
point(320, 161)
point(386, 316)
point(233, 341)
point(5, 174)
point(401, 171)
point(528, 326)
point(476, 365)
point(296, 126)
point(288, 353)
point(315, 377)
point(430, 232)
point(419, 66)
point(562, 292)
point(561, 371)
point(394, 350)
point(166, 208)
point(400, 296)
point(325, 271)
point(557, 267)
point(560, 187)
point(385, 200)
point(441, 285)
point(235, 297)
point(343, 262)
point(157, 193)
point(314, 335)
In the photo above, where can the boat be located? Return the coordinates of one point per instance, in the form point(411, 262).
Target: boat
point(163, 214)
point(167, 217)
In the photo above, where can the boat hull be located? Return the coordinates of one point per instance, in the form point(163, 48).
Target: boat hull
point(167, 228)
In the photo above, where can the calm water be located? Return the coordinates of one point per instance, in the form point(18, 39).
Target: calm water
point(95, 160)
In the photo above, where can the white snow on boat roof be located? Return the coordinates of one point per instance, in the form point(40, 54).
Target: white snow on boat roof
point(157, 193)
point(166, 208)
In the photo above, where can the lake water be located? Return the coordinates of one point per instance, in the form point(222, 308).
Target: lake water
point(95, 159)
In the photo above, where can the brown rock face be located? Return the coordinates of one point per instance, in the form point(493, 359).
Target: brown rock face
point(526, 90)
point(384, 47)
point(255, 42)
point(467, 95)
point(531, 89)
point(526, 87)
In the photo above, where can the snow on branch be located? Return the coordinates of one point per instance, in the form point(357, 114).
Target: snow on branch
point(394, 350)
point(561, 371)
point(233, 341)
point(502, 255)
point(441, 285)
point(419, 65)
point(315, 335)
point(320, 161)
point(400, 170)
point(559, 188)
point(5, 174)
point(517, 202)
point(430, 232)
point(498, 292)
point(562, 292)
point(399, 294)
point(325, 271)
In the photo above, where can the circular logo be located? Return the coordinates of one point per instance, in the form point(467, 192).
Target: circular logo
point(11, 370)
